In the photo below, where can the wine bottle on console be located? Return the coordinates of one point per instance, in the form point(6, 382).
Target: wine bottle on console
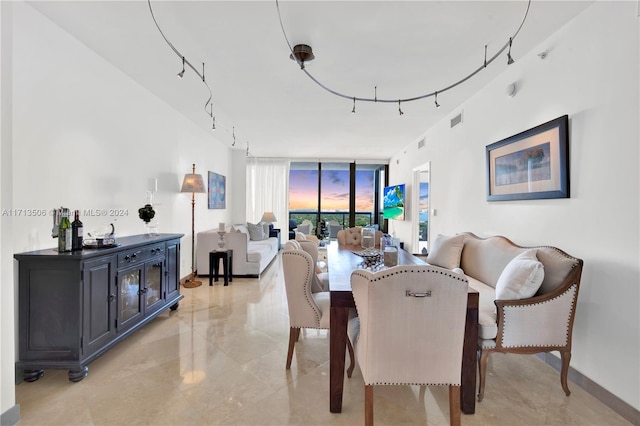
point(76, 232)
point(64, 232)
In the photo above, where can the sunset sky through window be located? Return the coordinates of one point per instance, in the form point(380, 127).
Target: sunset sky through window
point(303, 190)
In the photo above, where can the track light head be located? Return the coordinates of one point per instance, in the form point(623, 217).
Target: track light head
point(509, 58)
point(181, 73)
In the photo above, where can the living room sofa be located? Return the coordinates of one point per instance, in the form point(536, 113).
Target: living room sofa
point(250, 257)
point(528, 295)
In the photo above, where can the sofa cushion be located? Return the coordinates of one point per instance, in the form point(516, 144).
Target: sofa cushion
point(257, 250)
point(521, 278)
point(445, 251)
point(256, 231)
point(240, 228)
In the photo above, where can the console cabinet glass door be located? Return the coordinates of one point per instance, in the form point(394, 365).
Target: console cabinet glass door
point(152, 291)
point(129, 296)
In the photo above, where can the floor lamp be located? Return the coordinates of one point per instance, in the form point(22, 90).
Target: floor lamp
point(192, 183)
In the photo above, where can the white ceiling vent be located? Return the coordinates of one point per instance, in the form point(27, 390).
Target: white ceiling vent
point(456, 120)
point(421, 143)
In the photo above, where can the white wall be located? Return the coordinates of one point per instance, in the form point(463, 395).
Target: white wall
point(7, 303)
point(86, 136)
point(239, 188)
point(591, 74)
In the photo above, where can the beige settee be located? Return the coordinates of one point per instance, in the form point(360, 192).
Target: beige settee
point(250, 257)
point(528, 295)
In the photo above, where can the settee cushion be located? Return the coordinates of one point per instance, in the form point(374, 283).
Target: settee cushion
point(521, 278)
point(445, 251)
point(487, 325)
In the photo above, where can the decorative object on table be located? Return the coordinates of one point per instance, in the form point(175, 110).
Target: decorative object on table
point(76, 232)
point(147, 213)
point(101, 238)
point(533, 164)
point(221, 232)
point(367, 239)
point(390, 255)
point(192, 183)
point(65, 238)
point(217, 191)
point(368, 254)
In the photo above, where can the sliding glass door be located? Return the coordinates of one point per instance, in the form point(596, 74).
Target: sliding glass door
point(346, 193)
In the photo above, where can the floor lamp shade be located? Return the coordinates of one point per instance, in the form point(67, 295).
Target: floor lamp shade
point(192, 183)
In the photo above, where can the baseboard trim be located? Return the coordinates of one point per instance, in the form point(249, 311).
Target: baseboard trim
point(11, 416)
point(601, 394)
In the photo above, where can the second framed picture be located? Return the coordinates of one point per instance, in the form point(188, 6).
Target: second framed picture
point(533, 164)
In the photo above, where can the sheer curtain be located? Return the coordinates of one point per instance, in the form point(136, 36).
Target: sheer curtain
point(268, 190)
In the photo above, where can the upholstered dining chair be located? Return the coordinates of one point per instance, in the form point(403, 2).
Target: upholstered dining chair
point(306, 309)
point(333, 228)
point(353, 236)
point(412, 321)
point(320, 278)
point(299, 236)
point(306, 227)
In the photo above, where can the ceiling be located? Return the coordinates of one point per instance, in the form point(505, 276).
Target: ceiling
point(406, 49)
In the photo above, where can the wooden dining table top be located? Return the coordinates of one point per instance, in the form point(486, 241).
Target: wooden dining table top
point(342, 261)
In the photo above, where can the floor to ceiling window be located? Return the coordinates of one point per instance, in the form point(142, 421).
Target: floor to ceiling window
point(346, 193)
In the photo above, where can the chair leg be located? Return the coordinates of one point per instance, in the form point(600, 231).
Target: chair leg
point(368, 405)
point(482, 367)
point(294, 334)
point(454, 405)
point(352, 356)
point(566, 357)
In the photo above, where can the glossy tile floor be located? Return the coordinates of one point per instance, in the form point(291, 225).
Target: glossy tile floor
point(219, 359)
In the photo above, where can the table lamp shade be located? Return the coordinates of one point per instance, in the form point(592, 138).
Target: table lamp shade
point(193, 183)
point(268, 217)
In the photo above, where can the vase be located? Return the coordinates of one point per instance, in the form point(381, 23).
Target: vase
point(152, 228)
point(221, 242)
point(367, 237)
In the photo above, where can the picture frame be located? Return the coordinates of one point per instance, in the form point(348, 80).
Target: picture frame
point(533, 164)
point(217, 191)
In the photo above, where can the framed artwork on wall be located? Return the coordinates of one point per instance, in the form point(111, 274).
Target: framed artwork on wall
point(531, 165)
point(217, 191)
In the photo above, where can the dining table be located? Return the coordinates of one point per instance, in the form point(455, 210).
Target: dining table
point(341, 262)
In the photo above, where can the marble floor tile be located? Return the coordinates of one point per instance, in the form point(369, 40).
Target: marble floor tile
point(220, 360)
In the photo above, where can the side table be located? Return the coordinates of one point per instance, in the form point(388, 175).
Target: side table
point(227, 265)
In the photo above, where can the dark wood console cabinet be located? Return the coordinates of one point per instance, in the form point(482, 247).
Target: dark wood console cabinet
point(73, 307)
